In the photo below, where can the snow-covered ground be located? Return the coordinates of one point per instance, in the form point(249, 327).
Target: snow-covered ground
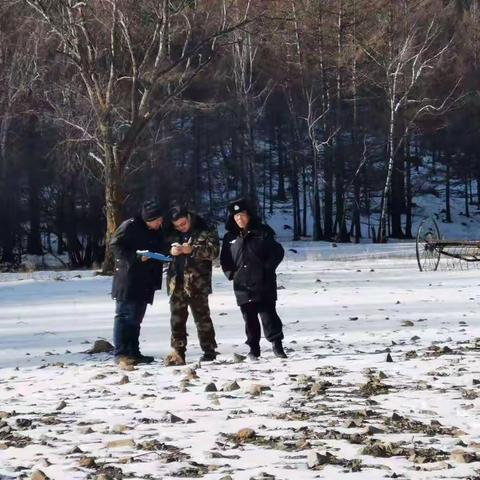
point(345, 309)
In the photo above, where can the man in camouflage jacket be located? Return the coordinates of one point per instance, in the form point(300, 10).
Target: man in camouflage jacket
point(194, 245)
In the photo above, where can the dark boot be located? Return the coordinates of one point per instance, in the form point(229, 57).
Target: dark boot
point(208, 356)
point(175, 358)
point(278, 350)
point(254, 353)
point(139, 358)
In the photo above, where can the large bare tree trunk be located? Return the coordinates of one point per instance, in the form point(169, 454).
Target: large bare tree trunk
point(339, 159)
point(33, 160)
point(114, 200)
point(356, 224)
point(408, 190)
point(448, 211)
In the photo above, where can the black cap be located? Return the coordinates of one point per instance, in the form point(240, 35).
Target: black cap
point(151, 210)
point(240, 205)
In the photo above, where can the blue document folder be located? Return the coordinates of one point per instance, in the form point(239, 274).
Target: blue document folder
point(154, 255)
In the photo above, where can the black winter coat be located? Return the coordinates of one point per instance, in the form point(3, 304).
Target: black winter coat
point(133, 279)
point(250, 259)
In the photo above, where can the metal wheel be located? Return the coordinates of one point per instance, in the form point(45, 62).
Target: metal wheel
point(428, 250)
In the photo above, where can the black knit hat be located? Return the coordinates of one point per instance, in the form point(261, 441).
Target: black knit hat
point(151, 210)
point(177, 211)
point(240, 205)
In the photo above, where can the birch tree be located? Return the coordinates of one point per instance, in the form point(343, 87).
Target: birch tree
point(404, 62)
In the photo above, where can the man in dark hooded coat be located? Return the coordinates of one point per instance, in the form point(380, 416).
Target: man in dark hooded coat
point(249, 256)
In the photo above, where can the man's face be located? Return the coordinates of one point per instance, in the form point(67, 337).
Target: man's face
point(155, 224)
point(242, 219)
point(183, 224)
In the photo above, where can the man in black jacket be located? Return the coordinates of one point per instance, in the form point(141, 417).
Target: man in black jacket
point(249, 257)
point(135, 279)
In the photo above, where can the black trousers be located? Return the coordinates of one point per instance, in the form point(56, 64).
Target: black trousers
point(271, 323)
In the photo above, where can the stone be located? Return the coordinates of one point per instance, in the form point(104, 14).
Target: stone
point(171, 418)
point(75, 450)
point(372, 430)
point(374, 387)
point(118, 428)
point(353, 423)
point(61, 405)
point(230, 386)
point(124, 443)
point(101, 346)
point(109, 473)
point(39, 475)
point(303, 379)
point(23, 423)
point(256, 389)
point(237, 358)
point(190, 374)
point(87, 462)
point(245, 434)
point(211, 387)
point(462, 456)
point(124, 380)
point(85, 430)
point(316, 459)
point(407, 323)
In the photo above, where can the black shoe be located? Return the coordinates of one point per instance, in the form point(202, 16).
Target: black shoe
point(252, 357)
point(254, 353)
point(143, 358)
point(208, 356)
point(278, 350)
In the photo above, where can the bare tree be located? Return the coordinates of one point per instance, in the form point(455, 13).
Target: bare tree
point(404, 65)
point(314, 108)
point(134, 60)
point(18, 76)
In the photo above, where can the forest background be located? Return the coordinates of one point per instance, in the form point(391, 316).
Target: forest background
point(341, 112)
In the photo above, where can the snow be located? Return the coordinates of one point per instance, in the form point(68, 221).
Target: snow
point(344, 308)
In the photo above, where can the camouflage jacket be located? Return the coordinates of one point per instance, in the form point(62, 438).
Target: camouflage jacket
point(198, 266)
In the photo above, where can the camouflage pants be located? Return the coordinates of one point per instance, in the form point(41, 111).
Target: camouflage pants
point(179, 303)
